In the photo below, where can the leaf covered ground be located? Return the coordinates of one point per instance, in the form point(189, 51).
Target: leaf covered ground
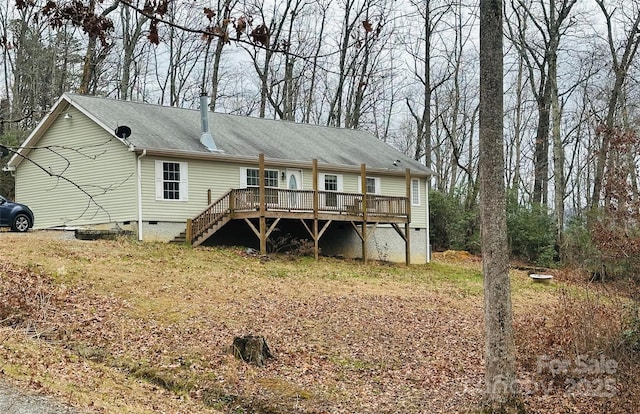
point(120, 326)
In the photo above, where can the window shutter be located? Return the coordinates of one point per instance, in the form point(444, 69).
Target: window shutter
point(321, 181)
point(340, 183)
point(159, 186)
point(243, 177)
point(184, 181)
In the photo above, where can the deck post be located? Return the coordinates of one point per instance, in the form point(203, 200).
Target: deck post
point(189, 232)
point(232, 201)
point(316, 204)
point(407, 227)
point(363, 186)
point(262, 196)
point(209, 197)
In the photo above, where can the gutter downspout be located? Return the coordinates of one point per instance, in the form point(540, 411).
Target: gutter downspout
point(139, 171)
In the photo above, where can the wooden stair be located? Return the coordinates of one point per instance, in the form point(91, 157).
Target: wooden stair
point(212, 219)
point(180, 238)
point(217, 225)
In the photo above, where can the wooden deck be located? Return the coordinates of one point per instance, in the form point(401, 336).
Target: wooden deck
point(305, 205)
point(314, 208)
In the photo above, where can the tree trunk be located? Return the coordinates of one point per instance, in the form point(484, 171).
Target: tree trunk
point(541, 156)
point(224, 10)
point(558, 157)
point(131, 35)
point(500, 376)
point(314, 69)
point(89, 65)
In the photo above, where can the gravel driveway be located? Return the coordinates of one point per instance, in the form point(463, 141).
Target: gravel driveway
point(16, 401)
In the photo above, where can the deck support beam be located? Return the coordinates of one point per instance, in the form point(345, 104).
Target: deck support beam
point(316, 233)
point(316, 206)
point(406, 237)
point(364, 233)
point(262, 206)
point(407, 232)
point(364, 242)
point(363, 190)
point(262, 229)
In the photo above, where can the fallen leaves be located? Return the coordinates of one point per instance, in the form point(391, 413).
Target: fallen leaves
point(346, 337)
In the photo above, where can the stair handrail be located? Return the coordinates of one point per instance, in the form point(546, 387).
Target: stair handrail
point(211, 215)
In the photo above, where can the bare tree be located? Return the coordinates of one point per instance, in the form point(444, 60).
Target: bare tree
point(622, 57)
point(132, 26)
point(38, 64)
point(431, 15)
point(312, 66)
point(270, 35)
point(550, 22)
point(361, 49)
point(221, 22)
point(179, 55)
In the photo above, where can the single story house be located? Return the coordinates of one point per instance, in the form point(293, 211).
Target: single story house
point(217, 179)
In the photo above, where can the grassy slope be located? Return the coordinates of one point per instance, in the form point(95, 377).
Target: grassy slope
point(138, 328)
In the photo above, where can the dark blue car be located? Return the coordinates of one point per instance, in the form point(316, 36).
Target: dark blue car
point(15, 215)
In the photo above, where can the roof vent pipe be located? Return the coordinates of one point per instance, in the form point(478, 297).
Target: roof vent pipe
point(206, 138)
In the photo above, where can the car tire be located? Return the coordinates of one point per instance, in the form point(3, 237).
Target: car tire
point(20, 223)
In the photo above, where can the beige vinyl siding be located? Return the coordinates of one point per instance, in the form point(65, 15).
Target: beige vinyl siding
point(350, 182)
point(98, 183)
point(419, 212)
point(202, 176)
point(394, 186)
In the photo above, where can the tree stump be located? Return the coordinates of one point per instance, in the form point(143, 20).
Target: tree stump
point(251, 349)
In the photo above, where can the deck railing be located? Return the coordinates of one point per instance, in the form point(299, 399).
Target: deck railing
point(277, 199)
point(284, 200)
point(211, 215)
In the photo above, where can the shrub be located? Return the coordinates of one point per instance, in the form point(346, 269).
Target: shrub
point(291, 245)
point(452, 226)
point(531, 234)
point(578, 247)
point(531, 230)
point(604, 246)
point(631, 333)
point(442, 213)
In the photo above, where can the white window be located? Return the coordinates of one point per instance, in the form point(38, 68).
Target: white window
point(330, 183)
point(253, 177)
point(172, 181)
point(415, 192)
point(250, 178)
point(271, 178)
point(373, 185)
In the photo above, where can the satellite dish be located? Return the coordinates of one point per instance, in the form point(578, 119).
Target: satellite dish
point(123, 131)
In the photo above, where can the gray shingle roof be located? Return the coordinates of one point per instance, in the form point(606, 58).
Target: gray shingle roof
point(157, 127)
